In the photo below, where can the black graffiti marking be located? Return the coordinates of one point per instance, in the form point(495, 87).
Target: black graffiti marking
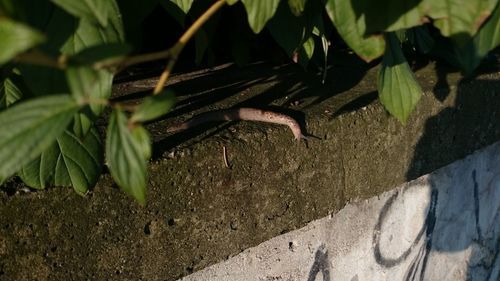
point(427, 228)
point(320, 264)
point(416, 266)
point(476, 205)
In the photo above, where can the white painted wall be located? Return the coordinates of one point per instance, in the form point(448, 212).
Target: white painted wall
point(442, 226)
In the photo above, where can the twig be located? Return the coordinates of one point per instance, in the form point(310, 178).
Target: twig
point(224, 156)
point(38, 58)
point(177, 48)
point(125, 62)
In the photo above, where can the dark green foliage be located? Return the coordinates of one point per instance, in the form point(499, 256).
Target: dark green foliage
point(58, 58)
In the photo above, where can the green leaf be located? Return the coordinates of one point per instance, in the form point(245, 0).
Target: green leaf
point(70, 161)
point(398, 89)
point(154, 107)
point(232, 2)
point(469, 55)
point(457, 18)
point(101, 53)
point(174, 11)
point(30, 127)
point(82, 123)
point(126, 149)
point(306, 51)
point(259, 12)
point(389, 15)
point(184, 5)
point(288, 30)
point(420, 38)
point(133, 15)
point(16, 38)
point(10, 89)
point(7, 8)
point(43, 80)
point(141, 135)
point(352, 29)
point(488, 37)
point(204, 37)
point(297, 6)
point(97, 11)
point(89, 34)
point(87, 85)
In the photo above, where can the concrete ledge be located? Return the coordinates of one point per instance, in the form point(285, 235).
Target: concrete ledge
point(442, 226)
point(200, 213)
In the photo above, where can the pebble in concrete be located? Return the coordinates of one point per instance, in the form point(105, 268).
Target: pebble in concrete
point(442, 226)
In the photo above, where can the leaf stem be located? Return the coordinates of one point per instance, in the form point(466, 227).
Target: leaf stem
point(39, 58)
point(177, 48)
point(125, 62)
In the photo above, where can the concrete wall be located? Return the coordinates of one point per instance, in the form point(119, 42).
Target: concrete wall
point(441, 226)
point(200, 212)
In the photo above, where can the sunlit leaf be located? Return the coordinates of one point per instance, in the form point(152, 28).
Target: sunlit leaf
point(388, 15)
point(154, 107)
point(352, 29)
point(126, 149)
point(297, 6)
point(460, 19)
point(184, 5)
point(30, 127)
point(16, 38)
point(259, 12)
point(69, 161)
point(306, 52)
point(469, 55)
point(398, 89)
point(488, 37)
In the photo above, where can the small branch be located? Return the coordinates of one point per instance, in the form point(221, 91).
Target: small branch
point(125, 62)
point(38, 58)
point(177, 48)
point(94, 101)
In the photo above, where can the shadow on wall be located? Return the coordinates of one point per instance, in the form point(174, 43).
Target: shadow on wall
point(462, 226)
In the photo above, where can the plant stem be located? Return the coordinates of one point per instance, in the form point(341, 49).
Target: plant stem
point(38, 58)
point(125, 62)
point(177, 48)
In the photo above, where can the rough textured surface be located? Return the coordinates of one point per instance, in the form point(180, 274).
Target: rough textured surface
point(442, 226)
point(199, 212)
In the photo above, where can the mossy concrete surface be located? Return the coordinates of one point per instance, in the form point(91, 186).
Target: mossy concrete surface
point(200, 212)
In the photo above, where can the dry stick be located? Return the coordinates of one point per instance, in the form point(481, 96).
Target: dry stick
point(224, 156)
point(177, 48)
